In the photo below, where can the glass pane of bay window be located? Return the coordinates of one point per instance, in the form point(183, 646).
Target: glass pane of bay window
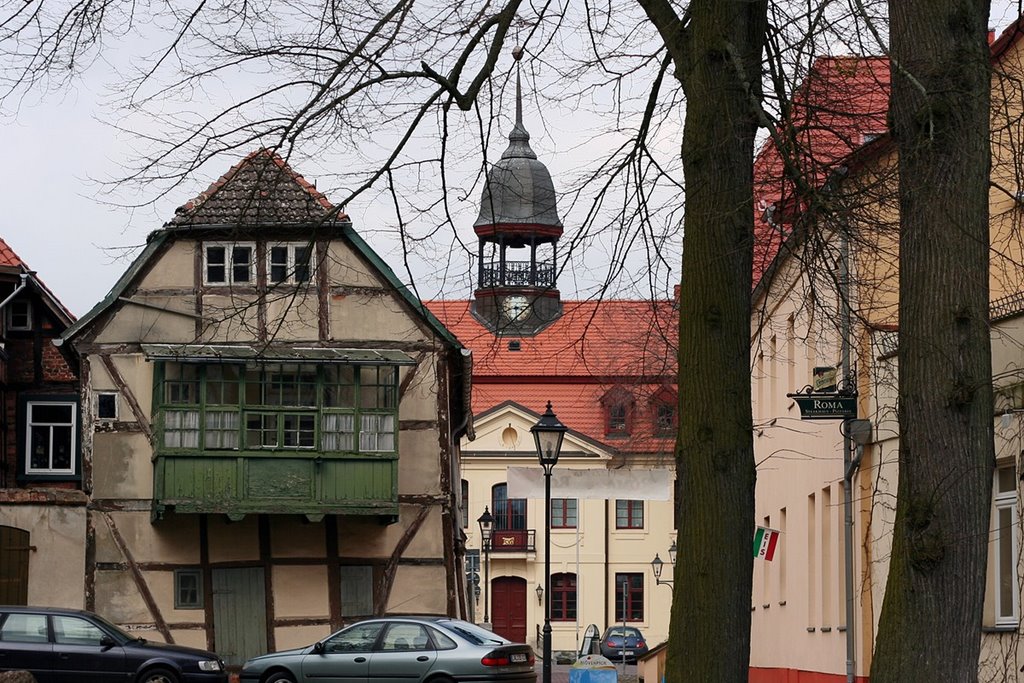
point(221, 430)
point(337, 432)
point(261, 430)
point(377, 433)
point(181, 429)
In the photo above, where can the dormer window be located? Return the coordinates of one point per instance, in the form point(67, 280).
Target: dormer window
point(663, 412)
point(617, 422)
point(664, 419)
point(618, 412)
point(228, 264)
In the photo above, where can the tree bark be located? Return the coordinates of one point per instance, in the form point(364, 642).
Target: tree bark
point(930, 625)
point(719, 65)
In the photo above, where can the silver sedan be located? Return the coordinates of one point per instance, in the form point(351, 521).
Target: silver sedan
point(400, 649)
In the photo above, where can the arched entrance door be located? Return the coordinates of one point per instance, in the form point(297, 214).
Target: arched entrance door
point(508, 607)
point(14, 549)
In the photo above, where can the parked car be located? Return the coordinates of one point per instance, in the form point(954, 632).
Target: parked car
point(65, 645)
point(623, 642)
point(408, 649)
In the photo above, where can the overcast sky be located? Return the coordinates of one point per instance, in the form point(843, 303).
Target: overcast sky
point(56, 218)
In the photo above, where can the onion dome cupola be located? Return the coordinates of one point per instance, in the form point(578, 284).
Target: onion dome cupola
point(517, 232)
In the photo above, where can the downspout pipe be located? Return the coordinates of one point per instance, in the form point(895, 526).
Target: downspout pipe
point(848, 466)
point(17, 290)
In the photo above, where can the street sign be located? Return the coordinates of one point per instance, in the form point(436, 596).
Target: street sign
point(826, 406)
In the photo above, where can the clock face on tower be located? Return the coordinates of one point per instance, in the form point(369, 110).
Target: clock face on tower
point(515, 307)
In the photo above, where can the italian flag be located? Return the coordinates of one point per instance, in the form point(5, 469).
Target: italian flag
point(765, 540)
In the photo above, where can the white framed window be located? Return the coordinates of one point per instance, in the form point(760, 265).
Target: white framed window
point(19, 316)
point(106, 406)
point(229, 263)
point(50, 438)
point(290, 263)
point(1006, 541)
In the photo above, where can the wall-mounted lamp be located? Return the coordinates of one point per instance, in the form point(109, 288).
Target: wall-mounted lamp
point(540, 593)
point(657, 565)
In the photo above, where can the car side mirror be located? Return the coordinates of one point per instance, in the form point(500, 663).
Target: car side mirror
point(106, 642)
point(318, 649)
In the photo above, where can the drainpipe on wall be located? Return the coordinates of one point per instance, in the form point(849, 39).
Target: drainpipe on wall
point(17, 290)
point(848, 469)
point(608, 616)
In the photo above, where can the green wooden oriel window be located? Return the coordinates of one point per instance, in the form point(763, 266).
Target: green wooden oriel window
point(276, 406)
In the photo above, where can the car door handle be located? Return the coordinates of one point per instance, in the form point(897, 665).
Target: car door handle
point(422, 658)
point(359, 660)
point(63, 656)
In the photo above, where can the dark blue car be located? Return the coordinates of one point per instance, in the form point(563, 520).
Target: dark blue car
point(623, 643)
point(74, 646)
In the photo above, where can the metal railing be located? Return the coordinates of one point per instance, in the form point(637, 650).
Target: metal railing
point(517, 274)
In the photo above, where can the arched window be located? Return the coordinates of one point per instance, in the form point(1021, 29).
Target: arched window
point(509, 513)
point(563, 597)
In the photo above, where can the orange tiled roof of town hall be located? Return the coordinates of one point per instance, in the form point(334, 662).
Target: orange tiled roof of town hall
point(594, 348)
point(601, 339)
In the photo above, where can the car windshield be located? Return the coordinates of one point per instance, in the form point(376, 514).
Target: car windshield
point(628, 633)
point(472, 632)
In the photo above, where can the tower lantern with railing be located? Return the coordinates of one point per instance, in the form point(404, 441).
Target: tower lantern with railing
point(518, 230)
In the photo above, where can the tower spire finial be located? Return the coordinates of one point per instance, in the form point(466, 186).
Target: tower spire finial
point(517, 54)
point(518, 138)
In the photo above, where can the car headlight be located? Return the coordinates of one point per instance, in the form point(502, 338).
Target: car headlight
point(210, 665)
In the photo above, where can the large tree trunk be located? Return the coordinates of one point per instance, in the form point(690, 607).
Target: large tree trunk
point(719, 67)
point(930, 626)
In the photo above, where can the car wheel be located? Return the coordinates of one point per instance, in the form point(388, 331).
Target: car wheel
point(281, 677)
point(159, 675)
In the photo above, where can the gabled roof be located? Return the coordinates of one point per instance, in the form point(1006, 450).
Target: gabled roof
point(10, 259)
point(261, 189)
point(573, 362)
point(840, 106)
point(283, 198)
point(842, 109)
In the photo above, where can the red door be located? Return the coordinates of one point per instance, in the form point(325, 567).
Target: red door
point(508, 608)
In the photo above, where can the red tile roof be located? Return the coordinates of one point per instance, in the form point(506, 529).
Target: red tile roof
point(840, 106)
point(592, 348)
point(261, 189)
point(8, 258)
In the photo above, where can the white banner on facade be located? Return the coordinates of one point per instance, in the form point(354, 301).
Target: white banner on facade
point(645, 484)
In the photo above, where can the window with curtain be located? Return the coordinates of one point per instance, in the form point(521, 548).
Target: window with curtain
point(278, 406)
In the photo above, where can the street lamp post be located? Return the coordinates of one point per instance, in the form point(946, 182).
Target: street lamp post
point(486, 522)
point(547, 435)
point(657, 565)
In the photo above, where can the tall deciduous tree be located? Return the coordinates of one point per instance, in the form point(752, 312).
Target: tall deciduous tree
point(717, 59)
point(939, 109)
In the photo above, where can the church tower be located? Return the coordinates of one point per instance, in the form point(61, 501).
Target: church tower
point(517, 232)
